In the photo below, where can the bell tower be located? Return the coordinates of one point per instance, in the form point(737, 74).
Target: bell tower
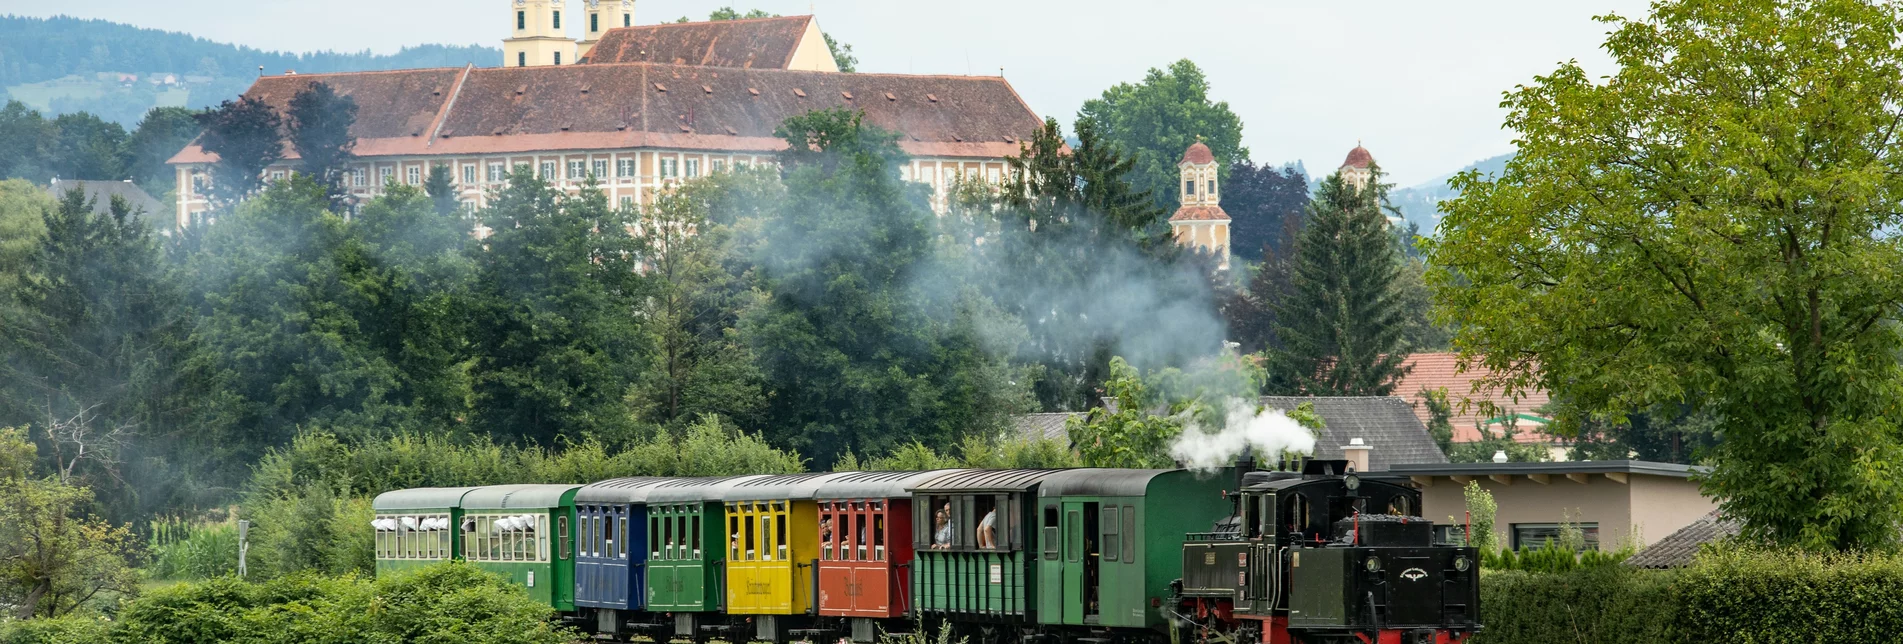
point(602, 16)
point(1200, 223)
point(537, 34)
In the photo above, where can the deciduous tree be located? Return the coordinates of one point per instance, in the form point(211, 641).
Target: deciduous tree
point(245, 136)
point(1157, 119)
point(1715, 224)
point(318, 123)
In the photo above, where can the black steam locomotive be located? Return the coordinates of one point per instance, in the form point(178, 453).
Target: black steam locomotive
point(1324, 556)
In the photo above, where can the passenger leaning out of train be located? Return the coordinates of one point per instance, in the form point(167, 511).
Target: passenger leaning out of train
point(988, 530)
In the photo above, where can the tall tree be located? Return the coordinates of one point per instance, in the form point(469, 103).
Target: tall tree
point(53, 557)
point(88, 147)
point(26, 143)
point(441, 188)
point(245, 136)
point(1266, 204)
point(554, 334)
point(702, 366)
point(1342, 321)
point(1157, 119)
point(162, 133)
point(96, 347)
point(318, 122)
point(23, 209)
point(1678, 235)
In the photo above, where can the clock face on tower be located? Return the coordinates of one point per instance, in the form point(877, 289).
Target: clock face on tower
point(594, 4)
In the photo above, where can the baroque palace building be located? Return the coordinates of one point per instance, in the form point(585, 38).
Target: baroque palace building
point(636, 108)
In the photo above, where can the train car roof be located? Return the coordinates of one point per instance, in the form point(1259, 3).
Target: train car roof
point(782, 486)
point(985, 481)
point(1100, 482)
point(633, 489)
point(421, 498)
point(697, 490)
point(506, 497)
point(876, 485)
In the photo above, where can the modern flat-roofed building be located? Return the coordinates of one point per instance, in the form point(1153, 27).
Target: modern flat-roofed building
point(1613, 502)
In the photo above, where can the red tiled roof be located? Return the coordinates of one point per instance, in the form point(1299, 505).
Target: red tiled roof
point(1432, 371)
point(1198, 154)
point(619, 106)
point(758, 43)
point(1358, 158)
point(1200, 213)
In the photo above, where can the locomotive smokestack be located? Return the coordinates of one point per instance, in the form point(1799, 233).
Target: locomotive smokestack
point(1244, 465)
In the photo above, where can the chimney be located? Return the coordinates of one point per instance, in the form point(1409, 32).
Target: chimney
point(1500, 456)
point(1356, 452)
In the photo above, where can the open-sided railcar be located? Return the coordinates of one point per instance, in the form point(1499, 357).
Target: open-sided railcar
point(524, 533)
point(865, 550)
point(417, 527)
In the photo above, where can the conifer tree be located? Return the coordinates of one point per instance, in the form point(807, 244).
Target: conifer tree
point(1342, 325)
point(318, 122)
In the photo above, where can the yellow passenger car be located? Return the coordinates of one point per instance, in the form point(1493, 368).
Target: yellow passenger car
point(773, 552)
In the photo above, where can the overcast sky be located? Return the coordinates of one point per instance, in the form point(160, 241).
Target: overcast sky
point(1418, 83)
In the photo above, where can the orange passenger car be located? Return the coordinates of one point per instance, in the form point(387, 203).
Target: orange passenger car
point(865, 548)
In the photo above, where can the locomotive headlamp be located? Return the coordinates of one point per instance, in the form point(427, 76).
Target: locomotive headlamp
point(1373, 564)
point(1461, 563)
point(1351, 482)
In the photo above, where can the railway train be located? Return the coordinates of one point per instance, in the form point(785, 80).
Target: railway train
point(1312, 554)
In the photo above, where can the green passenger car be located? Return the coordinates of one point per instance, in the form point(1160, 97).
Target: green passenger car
point(1110, 542)
point(525, 534)
point(686, 553)
point(957, 572)
point(417, 527)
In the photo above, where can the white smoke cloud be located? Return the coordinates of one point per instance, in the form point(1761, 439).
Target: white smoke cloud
point(1269, 433)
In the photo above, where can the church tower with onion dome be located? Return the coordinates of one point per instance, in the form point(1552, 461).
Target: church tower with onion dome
point(1200, 221)
point(1356, 171)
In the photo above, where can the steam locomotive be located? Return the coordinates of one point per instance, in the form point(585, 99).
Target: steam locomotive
point(1318, 555)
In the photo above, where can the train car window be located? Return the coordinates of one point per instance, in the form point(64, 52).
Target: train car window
point(1112, 542)
point(878, 537)
point(655, 542)
point(609, 532)
point(1050, 532)
point(621, 547)
point(922, 522)
point(561, 533)
point(1074, 536)
point(825, 532)
point(693, 534)
point(1014, 524)
point(984, 531)
point(1129, 534)
point(666, 549)
point(1399, 505)
point(779, 536)
point(859, 538)
point(751, 546)
point(733, 538)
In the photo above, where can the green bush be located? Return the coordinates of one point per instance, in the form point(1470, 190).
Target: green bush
point(184, 548)
point(1755, 597)
point(451, 602)
point(72, 628)
point(1604, 605)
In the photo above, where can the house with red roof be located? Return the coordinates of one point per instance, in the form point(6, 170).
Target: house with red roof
point(1477, 406)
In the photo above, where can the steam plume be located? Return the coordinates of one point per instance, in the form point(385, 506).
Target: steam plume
point(1268, 433)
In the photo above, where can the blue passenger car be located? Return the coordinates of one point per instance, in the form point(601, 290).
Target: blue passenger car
point(611, 549)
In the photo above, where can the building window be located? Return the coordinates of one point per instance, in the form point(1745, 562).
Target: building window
point(577, 171)
point(600, 169)
point(624, 168)
point(627, 20)
point(693, 168)
point(357, 177)
point(627, 202)
point(277, 176)
point(558, 24)
point(558, 58)
point(670, 168)
point(521, 20)
point(1212, 187)
point(1534, 536)
point(594, 23)
point(495, 173)
point(719, 166)
point(414, 174)
point(469, 174)
point(522, 59)
point(383, 176)
point(1189, 188)
point(548, 171)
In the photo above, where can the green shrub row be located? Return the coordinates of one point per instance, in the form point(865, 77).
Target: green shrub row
point(1730, 595)
point(452, 602)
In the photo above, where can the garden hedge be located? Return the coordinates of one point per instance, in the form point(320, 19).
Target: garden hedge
point(1733, 596)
